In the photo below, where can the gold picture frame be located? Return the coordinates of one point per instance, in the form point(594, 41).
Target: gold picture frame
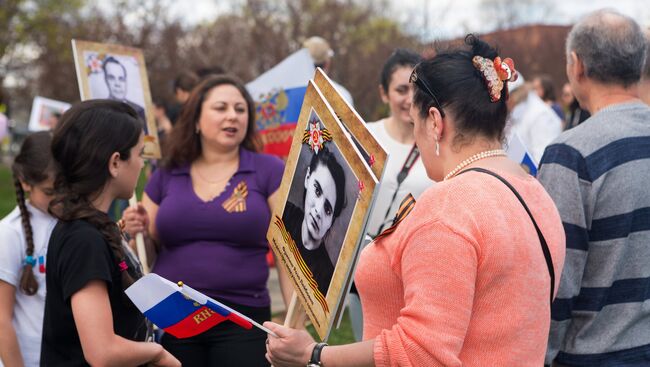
point(117, 72)
point(296, 226)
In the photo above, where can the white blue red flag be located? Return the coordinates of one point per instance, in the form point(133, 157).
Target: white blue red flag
point(180, 310)
point(278, 94)
point(517, 151)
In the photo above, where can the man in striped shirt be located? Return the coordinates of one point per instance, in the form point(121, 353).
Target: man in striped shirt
point(598, 174)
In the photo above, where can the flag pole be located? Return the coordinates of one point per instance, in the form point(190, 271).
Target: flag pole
point(295, 314)
point(139, 239)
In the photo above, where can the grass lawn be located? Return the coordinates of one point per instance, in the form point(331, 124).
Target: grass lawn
point(7, 191)
point(342, 335)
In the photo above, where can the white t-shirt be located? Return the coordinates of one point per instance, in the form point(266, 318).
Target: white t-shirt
point(28, 310)
point(415, 183)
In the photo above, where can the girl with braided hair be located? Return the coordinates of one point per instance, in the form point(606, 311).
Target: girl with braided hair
point(24, 235)
point(88, 320)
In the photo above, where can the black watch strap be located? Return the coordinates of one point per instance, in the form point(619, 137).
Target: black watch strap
point(315, 354)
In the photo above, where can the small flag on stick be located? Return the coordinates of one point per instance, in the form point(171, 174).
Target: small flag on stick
point(180, 310)
point(518, 152)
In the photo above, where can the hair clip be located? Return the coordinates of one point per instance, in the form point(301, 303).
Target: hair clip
point(123, 266)
point(29, 260)
point(495, 73)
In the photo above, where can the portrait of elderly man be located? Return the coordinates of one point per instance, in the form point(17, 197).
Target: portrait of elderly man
point(116, 79)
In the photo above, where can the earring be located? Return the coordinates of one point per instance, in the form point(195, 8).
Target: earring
point(197, 130)
point(437, 148)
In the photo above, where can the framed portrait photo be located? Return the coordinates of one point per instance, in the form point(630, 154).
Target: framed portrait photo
point(367, 144)
point(46, 113)
point(327, 190)
point(117, 72)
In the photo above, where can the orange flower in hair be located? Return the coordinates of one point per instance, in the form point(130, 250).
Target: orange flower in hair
point(495, 73)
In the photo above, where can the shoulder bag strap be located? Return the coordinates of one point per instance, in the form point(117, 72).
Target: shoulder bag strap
point(545, 249)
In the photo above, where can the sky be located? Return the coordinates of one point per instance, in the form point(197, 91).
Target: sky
point(446, 18)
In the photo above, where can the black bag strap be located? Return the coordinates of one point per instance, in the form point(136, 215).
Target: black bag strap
point(542, 240)
point(411, 158)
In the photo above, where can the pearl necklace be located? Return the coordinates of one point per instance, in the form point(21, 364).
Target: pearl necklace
point(474, 158)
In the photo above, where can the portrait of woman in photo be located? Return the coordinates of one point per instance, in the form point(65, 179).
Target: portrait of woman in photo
point(309, 222)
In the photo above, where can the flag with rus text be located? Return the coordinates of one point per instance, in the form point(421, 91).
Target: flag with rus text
point(180, 312)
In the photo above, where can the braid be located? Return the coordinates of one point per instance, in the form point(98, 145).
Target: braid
point(28, 282)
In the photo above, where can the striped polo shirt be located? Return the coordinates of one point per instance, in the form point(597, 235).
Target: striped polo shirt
point(598, 174)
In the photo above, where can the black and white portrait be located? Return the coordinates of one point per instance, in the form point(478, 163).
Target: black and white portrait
point(320, 203)
point(119, 80)
point(117, 72)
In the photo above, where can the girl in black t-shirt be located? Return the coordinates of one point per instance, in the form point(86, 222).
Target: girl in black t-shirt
point(97, 147)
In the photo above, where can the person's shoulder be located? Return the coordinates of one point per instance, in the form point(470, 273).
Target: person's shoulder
point(76, 231)
point(11, 220)
point(448, 196)
point(377, 127)
point(596, 131)
point(165, 172)
point(11, 228)
point(135, 106)
point(263, 161)
point(291, 210)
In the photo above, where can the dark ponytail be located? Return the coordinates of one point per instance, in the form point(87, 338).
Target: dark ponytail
point(83, 143)
point(31, 166)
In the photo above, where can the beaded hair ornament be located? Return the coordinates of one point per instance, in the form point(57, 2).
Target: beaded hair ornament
point(495, 73)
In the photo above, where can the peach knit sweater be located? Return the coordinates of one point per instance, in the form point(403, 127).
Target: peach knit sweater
point(463, 280)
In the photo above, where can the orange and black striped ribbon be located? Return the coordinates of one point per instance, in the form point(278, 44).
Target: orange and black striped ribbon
point(236, 203)
point(307, 273)
point(404, 209)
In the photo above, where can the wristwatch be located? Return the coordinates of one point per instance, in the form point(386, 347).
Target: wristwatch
point(314, 361)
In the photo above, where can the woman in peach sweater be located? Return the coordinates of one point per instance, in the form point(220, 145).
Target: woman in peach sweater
point(469, 276)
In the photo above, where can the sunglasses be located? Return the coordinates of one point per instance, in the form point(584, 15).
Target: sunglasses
point(414, 79)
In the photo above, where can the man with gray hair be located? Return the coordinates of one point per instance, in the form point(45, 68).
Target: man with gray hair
point(598, 174)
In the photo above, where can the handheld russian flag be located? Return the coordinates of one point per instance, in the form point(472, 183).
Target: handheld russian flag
point(180, 310)
point(517, 151)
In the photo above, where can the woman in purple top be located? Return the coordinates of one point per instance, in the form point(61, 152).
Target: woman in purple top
point(210, 207)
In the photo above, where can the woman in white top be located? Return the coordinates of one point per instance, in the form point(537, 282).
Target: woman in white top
point(24, 235)
point(395, 132)
point(404, 172)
